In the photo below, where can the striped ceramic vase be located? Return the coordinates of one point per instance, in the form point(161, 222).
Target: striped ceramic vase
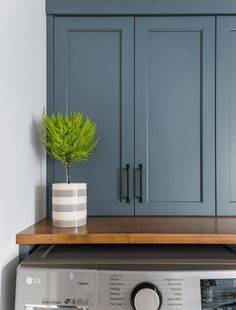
point(69, 204)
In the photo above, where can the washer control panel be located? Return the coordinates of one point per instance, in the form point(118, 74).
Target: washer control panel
point(162, 290)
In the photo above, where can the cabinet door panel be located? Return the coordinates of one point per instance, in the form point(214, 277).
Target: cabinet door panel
point(226, 115)
point(94, 73)
point(174, 115)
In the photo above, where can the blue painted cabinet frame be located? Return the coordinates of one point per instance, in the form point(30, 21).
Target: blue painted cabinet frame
point(141, 7)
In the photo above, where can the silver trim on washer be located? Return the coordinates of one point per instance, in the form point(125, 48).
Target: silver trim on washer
point(35, 307)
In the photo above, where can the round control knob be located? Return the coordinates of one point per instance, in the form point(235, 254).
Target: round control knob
point(146, 296)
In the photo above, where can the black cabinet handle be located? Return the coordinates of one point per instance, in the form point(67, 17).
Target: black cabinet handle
point(127, 183)
point(140, 198)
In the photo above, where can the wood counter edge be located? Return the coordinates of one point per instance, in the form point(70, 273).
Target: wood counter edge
point(126, 239)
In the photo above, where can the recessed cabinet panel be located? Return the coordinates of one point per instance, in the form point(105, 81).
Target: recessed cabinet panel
point(94, 73)
point(226, 115)
point(174, 115)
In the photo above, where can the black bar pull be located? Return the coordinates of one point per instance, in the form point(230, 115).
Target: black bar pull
point(127, 183)
point(140, 198)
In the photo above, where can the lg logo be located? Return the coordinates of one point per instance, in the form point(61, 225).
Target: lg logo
point(30, 280)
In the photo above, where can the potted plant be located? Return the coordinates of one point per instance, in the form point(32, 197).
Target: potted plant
point(68, 138)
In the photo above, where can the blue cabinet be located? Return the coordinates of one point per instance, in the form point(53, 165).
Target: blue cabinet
point(175, 115)
point(226, 115)
point(94, 73)
point(149, 83)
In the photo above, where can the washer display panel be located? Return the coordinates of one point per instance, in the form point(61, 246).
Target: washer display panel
point(218, 294)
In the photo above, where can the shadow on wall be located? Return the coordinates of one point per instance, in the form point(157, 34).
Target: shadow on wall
point(39, 204)
point(8, 276)
point(40, 190)
point(35, 139)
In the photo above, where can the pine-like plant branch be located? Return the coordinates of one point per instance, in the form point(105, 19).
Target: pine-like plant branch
point(68, 138)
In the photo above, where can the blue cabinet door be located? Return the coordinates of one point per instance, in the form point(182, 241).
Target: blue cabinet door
point(175, 115)
point(94, 73)
point(226, 115)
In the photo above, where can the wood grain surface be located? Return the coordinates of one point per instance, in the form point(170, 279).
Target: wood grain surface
point(135, 230)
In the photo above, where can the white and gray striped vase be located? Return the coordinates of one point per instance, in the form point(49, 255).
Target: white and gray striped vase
point(69, 204)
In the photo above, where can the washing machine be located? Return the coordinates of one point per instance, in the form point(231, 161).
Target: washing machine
point(128, 278)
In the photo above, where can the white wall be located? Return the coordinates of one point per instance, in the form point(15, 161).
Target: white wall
point(22, 159)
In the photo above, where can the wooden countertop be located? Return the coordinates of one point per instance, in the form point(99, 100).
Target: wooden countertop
point(135, 230)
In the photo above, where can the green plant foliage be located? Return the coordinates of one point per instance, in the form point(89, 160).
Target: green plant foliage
point(68, 138)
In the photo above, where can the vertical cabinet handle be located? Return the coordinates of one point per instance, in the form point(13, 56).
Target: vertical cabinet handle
point(140, 168)
point(127, 184)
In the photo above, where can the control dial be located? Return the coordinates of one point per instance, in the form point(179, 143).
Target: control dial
point(146, 296)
